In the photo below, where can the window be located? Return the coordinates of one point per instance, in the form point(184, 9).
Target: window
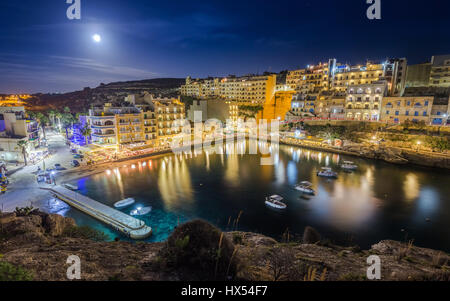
point(426, 102)
point(397, 113)
point(407, 113)
point(416, 113)
point(387, 112)
point(425, 113)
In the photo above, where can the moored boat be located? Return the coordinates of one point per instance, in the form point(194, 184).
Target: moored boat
point(305, 187)
point(124, 203)
point(141, 211)
point(349, 165)
point(275, 201)
point(71, 187)
point(327, 172)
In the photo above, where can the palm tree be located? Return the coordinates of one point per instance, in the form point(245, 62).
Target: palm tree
point(22, 145)
point(86, 132)
point(67, 121)
point(42, 119)
point(51, 116)
point(59, 116)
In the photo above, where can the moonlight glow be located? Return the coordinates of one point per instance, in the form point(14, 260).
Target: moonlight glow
point(97, 38)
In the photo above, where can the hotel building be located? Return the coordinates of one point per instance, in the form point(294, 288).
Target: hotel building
point(313, 79)
point(363, 102)
point(145, 122)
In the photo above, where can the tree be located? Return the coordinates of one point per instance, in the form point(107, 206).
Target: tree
point(51, 116)
point(59, 116)
point(22, 145)
point(67, 121)
point(43, 120)
point(86, 132)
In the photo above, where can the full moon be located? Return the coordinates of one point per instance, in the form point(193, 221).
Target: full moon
point(97, 38)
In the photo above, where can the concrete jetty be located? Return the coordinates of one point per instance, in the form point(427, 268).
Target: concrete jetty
point(128, 225)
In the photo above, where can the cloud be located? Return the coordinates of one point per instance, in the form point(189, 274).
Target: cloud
point(60, 73)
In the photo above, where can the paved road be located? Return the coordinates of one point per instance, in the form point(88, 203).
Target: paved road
point(23, 189)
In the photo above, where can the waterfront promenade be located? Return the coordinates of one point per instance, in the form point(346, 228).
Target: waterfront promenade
point(128, 225)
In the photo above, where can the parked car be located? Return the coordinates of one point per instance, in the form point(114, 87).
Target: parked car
point(75, 163)
point(78, 156)
point(58, 166)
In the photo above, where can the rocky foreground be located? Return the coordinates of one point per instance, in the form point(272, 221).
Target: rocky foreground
point(35, 246)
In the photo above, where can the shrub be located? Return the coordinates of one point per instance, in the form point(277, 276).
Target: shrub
point(85, 232)
point(9, 272)
point(311, 236)
point(200, 246)
point(237, 238)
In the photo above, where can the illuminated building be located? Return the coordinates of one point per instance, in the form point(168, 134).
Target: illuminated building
point(145, 122)
point(313, 79)
point(249, 89)
point(15, 126)
point(363, 102)
point(399, 109)
point(440, 71)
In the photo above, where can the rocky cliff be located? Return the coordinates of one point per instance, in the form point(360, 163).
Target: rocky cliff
point(38, 245)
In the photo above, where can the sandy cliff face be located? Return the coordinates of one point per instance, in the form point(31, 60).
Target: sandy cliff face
point(40, 244)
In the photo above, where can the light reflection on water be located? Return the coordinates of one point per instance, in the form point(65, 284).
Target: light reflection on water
point(376, 202)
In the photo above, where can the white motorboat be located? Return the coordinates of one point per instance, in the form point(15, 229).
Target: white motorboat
point(275, 201)
point(124, 203)
point(305, 187)
point(349, 165)
point(141, 211)
point(327, 172)
point(71, 187)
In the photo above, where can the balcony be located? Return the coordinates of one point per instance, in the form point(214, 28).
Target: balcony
point(102, 126)
point(103, 135)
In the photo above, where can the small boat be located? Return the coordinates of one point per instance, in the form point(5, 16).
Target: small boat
point(124, 203)
point(71, 187)
point(275, 201)
point(349, 165)
point(327, 172)
point(141, 211)
point(305, 187)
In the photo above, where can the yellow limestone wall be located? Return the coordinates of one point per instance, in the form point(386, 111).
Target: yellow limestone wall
point(277, 107)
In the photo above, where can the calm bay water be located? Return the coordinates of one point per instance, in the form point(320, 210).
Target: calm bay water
point(378, 201)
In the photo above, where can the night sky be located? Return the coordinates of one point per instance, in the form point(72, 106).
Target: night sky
point(42, 51)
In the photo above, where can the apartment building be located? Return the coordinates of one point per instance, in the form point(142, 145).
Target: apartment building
point(331, 105)
point(313, 79)
point(440, 111)
point(399, 109)
point(363, 102)
point(346, 76)
point(144, 122)
point(201, 88)
point(249, 89)
point(440, 71)
point(15, 126)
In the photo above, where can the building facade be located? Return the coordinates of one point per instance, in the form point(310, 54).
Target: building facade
point(146, 122)
point(400, 109)
point(440, 71)
point(363, 102)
